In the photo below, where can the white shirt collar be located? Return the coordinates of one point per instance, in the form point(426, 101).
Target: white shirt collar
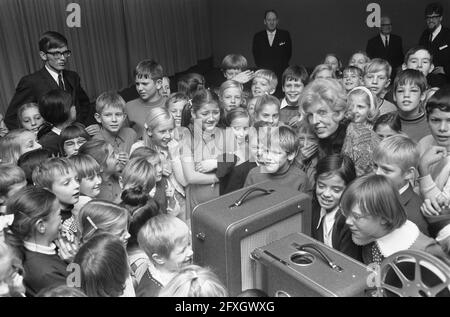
point(403, 189)
point(398, 240)
point(52, 73)
point(324, 213)
point(56, 130)
point(40, 248)
point(436, 32)
point(284, 103)
point(383, 36)
point(270, 33)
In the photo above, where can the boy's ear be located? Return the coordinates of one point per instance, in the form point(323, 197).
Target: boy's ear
point(97, 117)
point(291, 156)
point(43, 56)
point(272, 91)
point(121, 182)
point(388, 83)
point(404, 66)
point(410, 173)
point(40, 226)
point(158, 259)
point(431, 68)
point(158, 84)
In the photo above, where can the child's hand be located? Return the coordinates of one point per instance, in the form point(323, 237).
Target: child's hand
point(170, 190)
point(93, 129)
point(206, 166)
point(432, 155)
point(430, 208)
point(167, 169)
point(244, 77)
point(123, 158)
point(174, 149)
point(67, 250)
point(309, 150)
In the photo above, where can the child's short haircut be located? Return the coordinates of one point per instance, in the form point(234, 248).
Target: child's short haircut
point(190, 84)
point(44, 174)
point(145, 152)
point(109, 99)
point(139, 218)
point(236, 113)
point(234, 61)
point(10, 175)
point(138, 172)
point(176, 97)
point(51, 39)
point(378, 65)
point(73, 131)
point(194, 281)
point(268, 75)
point(28, 161)
point(412, 77)
point(55, 106)
point(161, 234)
point(24, 107)
point(10, 149)
point(266, 100)
point(320, 68)
point(104, 266)
point(98, 149)
point(413, 50)
point(391, 119)
point(229, 84)
point(440, 100)
point(398, 150)
point(287, 138)
point(368, 98)
point(149, 69)
point(336, 164)
point(295, 73)
point(84, 165)
point(327, 90)
point(353, 70)
point(376, 196)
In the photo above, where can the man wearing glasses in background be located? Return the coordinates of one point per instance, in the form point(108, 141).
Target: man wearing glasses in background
point(436, 39)
point(54, 53)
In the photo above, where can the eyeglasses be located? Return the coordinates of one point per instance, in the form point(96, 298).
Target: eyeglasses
point(432, 17)
point(60, 54)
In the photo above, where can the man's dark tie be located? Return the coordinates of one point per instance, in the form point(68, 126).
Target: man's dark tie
point(386, 42)
point(430, 38)
point(60, 82)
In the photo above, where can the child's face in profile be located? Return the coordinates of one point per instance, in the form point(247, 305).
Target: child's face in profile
point(391, 171)
point(31, 119)
point(165, 87)
point(420, 60)
point(66, 188)
point(180, 256)
point(408, 98)
point(176, 109)
point(377, 82)
point(231, 73)
point(439, 123)
point(365, 228)
point(329, 189)
point(162, 134)
point(251, 107)
point(147, 88)
point(111, 119)
point(90, 186)
point(292, 90)
point(351, 80)
point(260, 87)
point(240, 127)
point(53, 222)
point(231, 98)
point(359, 108)
point(27, 141)
point(384, 131)
point(71, 146)
point(156, 162)
point(358, 60)
point(269, 113)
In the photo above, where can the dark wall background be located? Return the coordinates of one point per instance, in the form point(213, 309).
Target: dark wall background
point(317, 27)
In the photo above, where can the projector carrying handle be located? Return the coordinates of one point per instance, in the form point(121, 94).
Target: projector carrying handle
point(316, 248)
point(244, 196)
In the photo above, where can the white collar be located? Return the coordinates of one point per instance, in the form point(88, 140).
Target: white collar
point(270, 33)
point(50, 250)
point(56, 130)
point(384, 36)
point(324, 213)
point(398, 240)
point(403, 189)
point(436, 32)
point(52, 73)
point(284, 103)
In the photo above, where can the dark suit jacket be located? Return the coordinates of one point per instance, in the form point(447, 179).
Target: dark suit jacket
point(439, 48)
point(32, 87)
point(393, 53)
point(275, 57)
point(411, 203)
point(341, 237)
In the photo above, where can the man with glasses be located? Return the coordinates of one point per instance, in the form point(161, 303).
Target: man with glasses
point(54, 53)
point(436, 39)
point(386, 46)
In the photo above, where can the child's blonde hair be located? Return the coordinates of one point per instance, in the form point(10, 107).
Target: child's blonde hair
point(154, 117)
point(266, 100)
point(85, 165)
point(161, 234)
point(10, 175)
point(398, 150)
point(109, 99)
point(378, 65)
point(138, 172)
point(286, 137)
point(10, 148)
point(320, 68)
point(268, 75)
point(100, 216)
point(229, 84)
point(369, 99)
point(24, 107)
point(44, 175)
point(194, 281)
point(234, 61)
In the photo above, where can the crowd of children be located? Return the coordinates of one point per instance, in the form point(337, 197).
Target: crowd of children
point(115, 201)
